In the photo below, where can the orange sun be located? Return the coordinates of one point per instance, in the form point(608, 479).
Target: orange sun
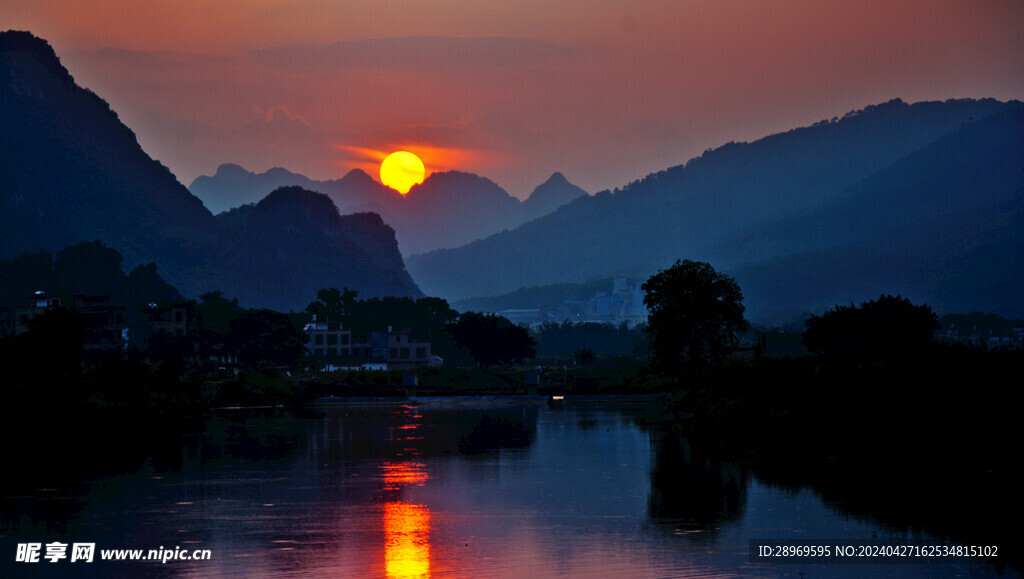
point(401, 170)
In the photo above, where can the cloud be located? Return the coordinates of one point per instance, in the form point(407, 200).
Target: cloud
point(436, 158)
point(356, 155)
point(279, 114)
point(416, 54)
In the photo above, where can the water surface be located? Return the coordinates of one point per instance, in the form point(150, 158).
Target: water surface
point(510, 491)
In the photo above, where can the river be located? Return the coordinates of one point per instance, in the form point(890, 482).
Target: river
point(403, 491)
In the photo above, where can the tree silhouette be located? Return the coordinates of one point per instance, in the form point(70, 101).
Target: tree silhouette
point(881, 330)
point(492, 339)
point(695, 315)
point(216, 313)
point(48, 357)
point(584, 357)
point(334, 304)
point(266, 338)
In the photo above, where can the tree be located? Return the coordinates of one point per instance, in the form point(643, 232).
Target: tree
point(266, 338)
point(492, 339)
point(584, 357)
point(333, 304)
point(881, 330)
point(695, 316)
point(216, 313)
point(89, 268)
point(48, 357)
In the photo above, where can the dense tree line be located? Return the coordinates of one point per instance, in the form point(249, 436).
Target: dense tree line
point(887, 329)
point(44, 369)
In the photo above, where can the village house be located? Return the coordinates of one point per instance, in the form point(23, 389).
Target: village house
point(393, 349)
point(172, 319)
point(104, 323)
point(106, 331)
point(327, 339)
point(38, 304)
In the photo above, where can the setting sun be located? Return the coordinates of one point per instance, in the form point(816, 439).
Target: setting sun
point(401, 170)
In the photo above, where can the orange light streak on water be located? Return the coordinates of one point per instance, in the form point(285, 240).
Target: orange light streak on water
point(399, 474)
point(406, 540)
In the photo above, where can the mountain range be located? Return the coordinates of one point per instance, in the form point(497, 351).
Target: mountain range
point(470, 207)
point(919, 199)
point(924, 200)
point(70, 172)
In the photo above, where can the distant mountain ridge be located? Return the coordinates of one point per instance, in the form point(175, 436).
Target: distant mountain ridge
point(924, 199)
point(70, 171)
point(944, 224)
point(448, 209)
point(705, 208)
point(232, 186)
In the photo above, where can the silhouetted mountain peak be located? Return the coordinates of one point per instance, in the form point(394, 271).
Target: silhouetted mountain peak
point(457, 182)
point(43, 92)
point(556, 178)
point(231, 171)
point(358, 177)
point(283, 197)
point(280, 173)
point(556, 183)
point(366, 219)
point(551, 195)
point(70, 171)
point(295, 208)
point(235, 172)
point(19, 42)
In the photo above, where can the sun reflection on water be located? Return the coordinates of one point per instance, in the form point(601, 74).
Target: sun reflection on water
point(406, 525)
point(406, 540)
point(399, 474)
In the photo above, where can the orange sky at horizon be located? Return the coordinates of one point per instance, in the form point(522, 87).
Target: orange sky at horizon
point(603, 91)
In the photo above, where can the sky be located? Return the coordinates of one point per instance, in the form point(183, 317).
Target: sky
point(605, 91)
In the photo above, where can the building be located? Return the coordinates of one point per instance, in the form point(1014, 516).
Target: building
point(106, 330)
point(173, 320)
point(406, 352)
point(522, 317)
point(327, 339)
point(109, 329)
point(623, 304)
point(374, 350)
point(38, 304)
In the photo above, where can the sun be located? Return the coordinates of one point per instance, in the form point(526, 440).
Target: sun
point(401, 170)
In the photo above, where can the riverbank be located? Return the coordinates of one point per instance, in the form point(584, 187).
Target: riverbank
point(929, 443)
point(470, 400)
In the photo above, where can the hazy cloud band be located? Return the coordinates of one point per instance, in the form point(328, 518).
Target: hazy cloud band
point(416, 53)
